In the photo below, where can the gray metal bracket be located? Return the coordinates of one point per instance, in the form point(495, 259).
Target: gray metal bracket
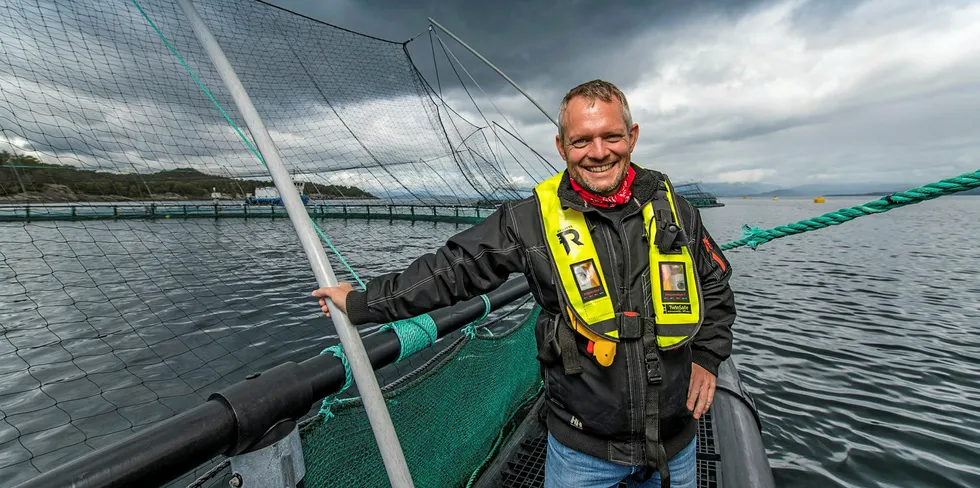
point(278, 465)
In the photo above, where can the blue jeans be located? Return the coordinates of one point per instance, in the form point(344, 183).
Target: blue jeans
point(567, 468)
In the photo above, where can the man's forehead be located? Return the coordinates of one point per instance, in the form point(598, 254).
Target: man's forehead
point(582, 116)
point(583, 103)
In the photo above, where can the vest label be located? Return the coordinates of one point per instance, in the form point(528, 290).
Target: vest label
point(673, 278)
point(588, 281)
point(677, 308)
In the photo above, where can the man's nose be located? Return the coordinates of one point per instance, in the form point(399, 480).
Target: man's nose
point(598, 149)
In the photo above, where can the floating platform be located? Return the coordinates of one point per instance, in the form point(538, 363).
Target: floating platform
point(144, 210)
point(699, 197)
point(156, 210)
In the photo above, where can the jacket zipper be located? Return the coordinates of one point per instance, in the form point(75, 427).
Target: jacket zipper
point(636, 347)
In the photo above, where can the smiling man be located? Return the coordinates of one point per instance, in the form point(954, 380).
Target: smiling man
point(629, 364)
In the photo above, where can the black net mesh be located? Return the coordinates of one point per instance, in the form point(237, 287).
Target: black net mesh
point(139, 270)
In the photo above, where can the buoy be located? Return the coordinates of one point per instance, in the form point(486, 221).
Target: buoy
point(818, 200)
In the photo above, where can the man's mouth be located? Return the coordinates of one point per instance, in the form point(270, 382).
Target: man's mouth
point(600, 169)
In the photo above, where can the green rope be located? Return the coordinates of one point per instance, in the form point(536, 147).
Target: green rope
point(754, 237)
point(470, 329)
point(415, 334)
point(331, 400)
point(235, 126)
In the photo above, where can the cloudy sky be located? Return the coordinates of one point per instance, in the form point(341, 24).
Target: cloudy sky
point(776, 92)
point(726, 91)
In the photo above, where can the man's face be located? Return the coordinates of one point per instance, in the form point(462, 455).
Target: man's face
point(597, 144)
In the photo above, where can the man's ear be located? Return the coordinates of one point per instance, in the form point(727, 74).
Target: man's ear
point(561, 148)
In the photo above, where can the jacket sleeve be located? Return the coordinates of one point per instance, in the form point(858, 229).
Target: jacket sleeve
point(713, 342)
point(472, 262)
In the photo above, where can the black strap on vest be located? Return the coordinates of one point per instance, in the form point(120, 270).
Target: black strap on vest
point(669, 236)
point(630, 325)
point(656, 455)
point(569, 352)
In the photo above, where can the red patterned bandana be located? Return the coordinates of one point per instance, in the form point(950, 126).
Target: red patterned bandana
point(620, 197)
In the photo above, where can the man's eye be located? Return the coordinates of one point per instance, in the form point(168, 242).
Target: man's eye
point(580, 143)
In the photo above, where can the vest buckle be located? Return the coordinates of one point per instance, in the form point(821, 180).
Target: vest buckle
point(654, 373)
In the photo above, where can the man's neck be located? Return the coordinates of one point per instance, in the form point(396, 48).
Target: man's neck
point(616, 198)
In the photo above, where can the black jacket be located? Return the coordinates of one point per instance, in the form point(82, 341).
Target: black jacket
point(603, 411)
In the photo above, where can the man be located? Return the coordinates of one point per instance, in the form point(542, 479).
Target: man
point(637, 310)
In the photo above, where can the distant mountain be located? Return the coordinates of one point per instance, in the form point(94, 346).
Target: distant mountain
point(464, 194)
point(809, 190)
point(838, 189)
point(736, 189)
point(26, 178)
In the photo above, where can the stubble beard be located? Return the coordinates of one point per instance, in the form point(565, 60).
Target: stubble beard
point(605, 192)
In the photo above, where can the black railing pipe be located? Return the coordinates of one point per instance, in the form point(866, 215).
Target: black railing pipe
point(237, 419)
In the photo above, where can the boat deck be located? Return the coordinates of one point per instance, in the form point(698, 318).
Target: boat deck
point(520, 463)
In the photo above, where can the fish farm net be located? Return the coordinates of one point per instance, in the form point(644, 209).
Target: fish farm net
point(145, 261)
point(450, 416)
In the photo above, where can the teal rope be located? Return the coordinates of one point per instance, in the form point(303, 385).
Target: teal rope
point(337, 252)
point(420, 332)
point(754, 237)
point(206, 91)
point(331, 400)
point(414, 334)
point(235, 126)
point(470, 329)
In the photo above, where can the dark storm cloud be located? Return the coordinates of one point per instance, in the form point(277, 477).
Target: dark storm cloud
point(723, 91)
point(94, 85)
point(546, 46)
point(762, 91)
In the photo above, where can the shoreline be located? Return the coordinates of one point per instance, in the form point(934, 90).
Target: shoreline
point(49, 197)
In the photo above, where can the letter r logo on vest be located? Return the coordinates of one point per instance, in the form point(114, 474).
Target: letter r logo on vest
point(573, 235)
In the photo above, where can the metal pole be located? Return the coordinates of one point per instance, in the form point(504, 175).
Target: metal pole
point(501, 73)
point(363, 373)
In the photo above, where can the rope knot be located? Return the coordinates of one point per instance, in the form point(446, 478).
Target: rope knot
point(755, 236)
point(470, 329)
point(331, 400)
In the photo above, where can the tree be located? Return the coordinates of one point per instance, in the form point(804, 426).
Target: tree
point(13, 161)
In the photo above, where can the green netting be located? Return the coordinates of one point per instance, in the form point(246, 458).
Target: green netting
point(449, 415)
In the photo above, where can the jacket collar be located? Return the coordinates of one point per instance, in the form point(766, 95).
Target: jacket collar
point(645, 186)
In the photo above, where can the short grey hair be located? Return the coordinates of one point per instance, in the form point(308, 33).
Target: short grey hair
point(592, 90)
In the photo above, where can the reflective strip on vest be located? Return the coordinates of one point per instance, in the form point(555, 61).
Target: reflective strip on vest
point(578, 266)
point(675, 285)
point(677, 304)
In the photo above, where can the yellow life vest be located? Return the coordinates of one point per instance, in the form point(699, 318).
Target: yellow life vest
point(678, 305)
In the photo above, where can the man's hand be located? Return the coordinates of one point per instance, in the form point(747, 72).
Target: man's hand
point(336, 294)
point(702, 390)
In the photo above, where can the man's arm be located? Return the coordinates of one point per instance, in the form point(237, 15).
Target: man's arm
point(713, 342)
point(474, 261)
